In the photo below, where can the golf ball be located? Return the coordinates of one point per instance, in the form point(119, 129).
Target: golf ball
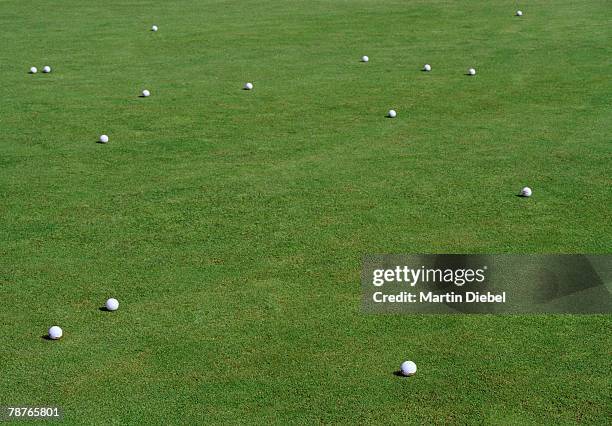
point(408, 368)
point(392, 113)
point(55, 332)
point(472, 71)
point(46, 69)
point(33, 70)
point(248, 86)
point(146, 93)
point(154, 28)
point(426, 67)
point(526, 192)
point(519, 13)
point(364, 59)
point(112, 304)
point(103, 138)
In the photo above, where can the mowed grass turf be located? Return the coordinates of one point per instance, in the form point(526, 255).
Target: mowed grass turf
point(231, 224)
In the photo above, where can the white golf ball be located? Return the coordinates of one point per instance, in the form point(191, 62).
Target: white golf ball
point(112, 304)
point(146, 93)
point(248, 86)
point(392, 113)
point(154, 28)
point(46, 69)
point(526, 192)
point(33, 70)
point(472, 71)
point(103, 138)
point(519, 13)
point(427, 67)
point(364, 59)
point(55, 332)
point(408, 368)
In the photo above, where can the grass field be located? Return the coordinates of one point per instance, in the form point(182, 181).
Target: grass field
point(231, 224)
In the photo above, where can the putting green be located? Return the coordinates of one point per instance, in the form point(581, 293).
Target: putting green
point(231, 224)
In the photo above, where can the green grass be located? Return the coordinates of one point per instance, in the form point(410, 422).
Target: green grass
point(231, 224)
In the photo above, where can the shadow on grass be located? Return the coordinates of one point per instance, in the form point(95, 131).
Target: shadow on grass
point(103, 309)
point(45, 337)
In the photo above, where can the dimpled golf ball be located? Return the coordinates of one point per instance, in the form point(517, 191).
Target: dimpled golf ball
point(519, 13)
point(472, 71)
point(112, 304)
point(248, 86)
point(103, 139)
point(46, 69)
point(154, 28)
point(55, 332)
point(426, 67)
point(391, 113)
point(408, 368)
point(145, 93)
point(526, 192)
point(364, 58)
point(33, 70)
